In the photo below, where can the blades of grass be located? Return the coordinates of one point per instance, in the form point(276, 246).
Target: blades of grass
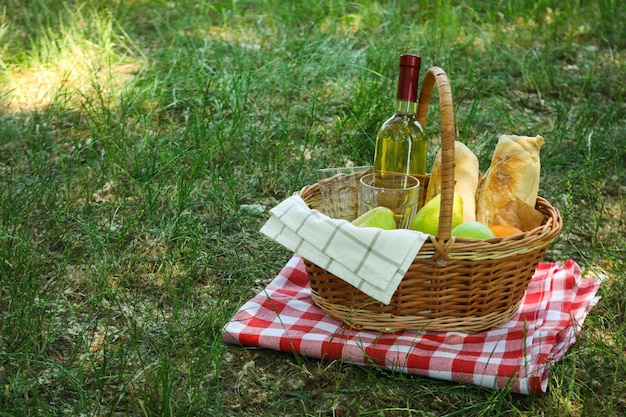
point(122, 181)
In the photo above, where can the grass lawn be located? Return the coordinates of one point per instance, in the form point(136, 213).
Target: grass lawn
point(143, 141)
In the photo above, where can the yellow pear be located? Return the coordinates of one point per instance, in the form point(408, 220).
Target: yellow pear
point(381, 217)
point(427, 218)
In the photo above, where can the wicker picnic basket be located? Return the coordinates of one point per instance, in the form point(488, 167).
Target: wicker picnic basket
point(454, 284)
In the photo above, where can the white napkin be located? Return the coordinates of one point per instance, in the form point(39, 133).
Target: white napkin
point(371, 259)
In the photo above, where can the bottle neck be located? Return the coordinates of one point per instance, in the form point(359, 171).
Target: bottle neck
point(406, 97)
point(406, 107)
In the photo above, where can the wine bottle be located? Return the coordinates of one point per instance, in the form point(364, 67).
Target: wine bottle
point(401, 144)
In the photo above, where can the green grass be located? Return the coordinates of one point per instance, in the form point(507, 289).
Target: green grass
point(134, 133)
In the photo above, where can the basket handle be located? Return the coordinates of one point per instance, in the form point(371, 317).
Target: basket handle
point(436, 75)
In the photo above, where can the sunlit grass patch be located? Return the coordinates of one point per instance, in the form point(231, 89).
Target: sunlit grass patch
point(89, 52)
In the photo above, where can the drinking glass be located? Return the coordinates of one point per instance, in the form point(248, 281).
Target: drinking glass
point(398, 192)
point(339, 188)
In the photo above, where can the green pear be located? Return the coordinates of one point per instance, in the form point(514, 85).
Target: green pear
point(474, 230)
point(427, 218)
point(381, 217)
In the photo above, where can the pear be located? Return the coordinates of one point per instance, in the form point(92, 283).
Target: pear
point(427, 218)
point(381, 217)
point(474, 230)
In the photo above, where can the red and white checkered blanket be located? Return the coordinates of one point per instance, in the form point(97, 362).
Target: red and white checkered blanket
point(516, 355)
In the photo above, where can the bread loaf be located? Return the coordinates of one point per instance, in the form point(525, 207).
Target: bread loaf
point(466, 175)
point(513, 174)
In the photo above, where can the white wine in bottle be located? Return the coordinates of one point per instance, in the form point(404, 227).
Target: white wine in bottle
point(401, 144)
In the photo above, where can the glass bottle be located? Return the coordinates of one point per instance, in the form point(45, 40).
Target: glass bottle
point(401, 144)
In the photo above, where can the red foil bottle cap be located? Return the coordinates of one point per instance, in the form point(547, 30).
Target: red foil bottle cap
point(410, 60)
point(408, 78)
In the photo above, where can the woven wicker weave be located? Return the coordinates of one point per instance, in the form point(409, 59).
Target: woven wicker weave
point(454, 284)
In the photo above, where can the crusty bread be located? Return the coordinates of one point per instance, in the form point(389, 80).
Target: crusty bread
point(466, 175)
point(514, 174)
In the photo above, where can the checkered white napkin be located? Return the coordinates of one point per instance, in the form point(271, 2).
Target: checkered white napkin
point(371, 259)
point(516, 355)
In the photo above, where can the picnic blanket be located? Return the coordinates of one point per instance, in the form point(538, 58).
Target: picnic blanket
point(517, 355)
